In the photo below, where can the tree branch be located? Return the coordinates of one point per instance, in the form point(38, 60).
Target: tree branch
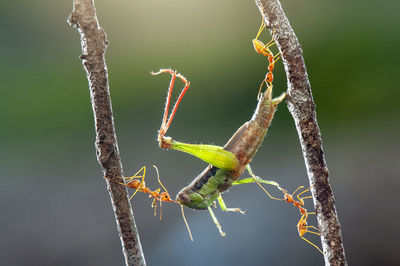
point(94, 43)
point(301, 106)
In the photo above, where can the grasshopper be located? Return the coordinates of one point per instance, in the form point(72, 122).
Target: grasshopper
point(227, 163)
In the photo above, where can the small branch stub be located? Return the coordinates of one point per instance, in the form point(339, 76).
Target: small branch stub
point(94, 43)
point(302, 108)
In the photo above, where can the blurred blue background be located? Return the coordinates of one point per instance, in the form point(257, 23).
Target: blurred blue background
point(55, 209)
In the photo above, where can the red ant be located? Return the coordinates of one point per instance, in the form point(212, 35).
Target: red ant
point(264, 50)
point(302, 226)
point(133, 182)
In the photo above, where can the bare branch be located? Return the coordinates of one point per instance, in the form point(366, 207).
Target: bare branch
point(94, 43)
point(301, 106)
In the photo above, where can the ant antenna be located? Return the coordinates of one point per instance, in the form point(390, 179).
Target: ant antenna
point(158, 177)
point(159, 181)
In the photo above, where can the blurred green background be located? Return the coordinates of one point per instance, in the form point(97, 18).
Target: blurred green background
point(55, 209)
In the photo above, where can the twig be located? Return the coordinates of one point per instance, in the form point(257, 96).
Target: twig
point(94, 43)
point(301, 106)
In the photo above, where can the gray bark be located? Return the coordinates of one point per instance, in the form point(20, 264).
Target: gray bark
point(94, 43)
point(302, 108)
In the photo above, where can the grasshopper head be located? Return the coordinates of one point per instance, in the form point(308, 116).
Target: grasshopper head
point(183, 198)
point(192, 200)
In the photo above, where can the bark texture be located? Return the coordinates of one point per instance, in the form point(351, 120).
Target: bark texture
point(302, 108)
point(94, 43)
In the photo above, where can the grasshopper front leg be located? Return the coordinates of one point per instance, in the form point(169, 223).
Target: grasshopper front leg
point(224, 208)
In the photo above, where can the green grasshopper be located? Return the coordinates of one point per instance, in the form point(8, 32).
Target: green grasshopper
point(226, 164)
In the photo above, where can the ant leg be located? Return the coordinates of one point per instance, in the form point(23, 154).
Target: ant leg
point(300, 187)
point(129, 178)
point(312, 227)
point(312, 232)
point(141, 184)
point(302, 198)
point(216, 222)
point(262, 27)
point(308, 197)
point(277, 56)
point(160, 210)
point(312, 244)
point(154, 195)
point(269, 44)
point(136, 175)
point(224, 208)
point(128, 181)
point(304, 191)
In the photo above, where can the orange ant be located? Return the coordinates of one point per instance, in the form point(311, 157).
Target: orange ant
point(264, 50)
point(302, 226)
point(133, 182)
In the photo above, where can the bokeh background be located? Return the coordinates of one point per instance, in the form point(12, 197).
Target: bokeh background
point(55, 209)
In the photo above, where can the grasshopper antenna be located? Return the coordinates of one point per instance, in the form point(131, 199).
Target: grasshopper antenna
point(186, 223)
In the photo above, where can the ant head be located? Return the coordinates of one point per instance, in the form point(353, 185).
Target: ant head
point(165, 197)
point(288, 198)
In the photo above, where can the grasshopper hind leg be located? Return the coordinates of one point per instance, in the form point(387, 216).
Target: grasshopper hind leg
point(258, 181)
